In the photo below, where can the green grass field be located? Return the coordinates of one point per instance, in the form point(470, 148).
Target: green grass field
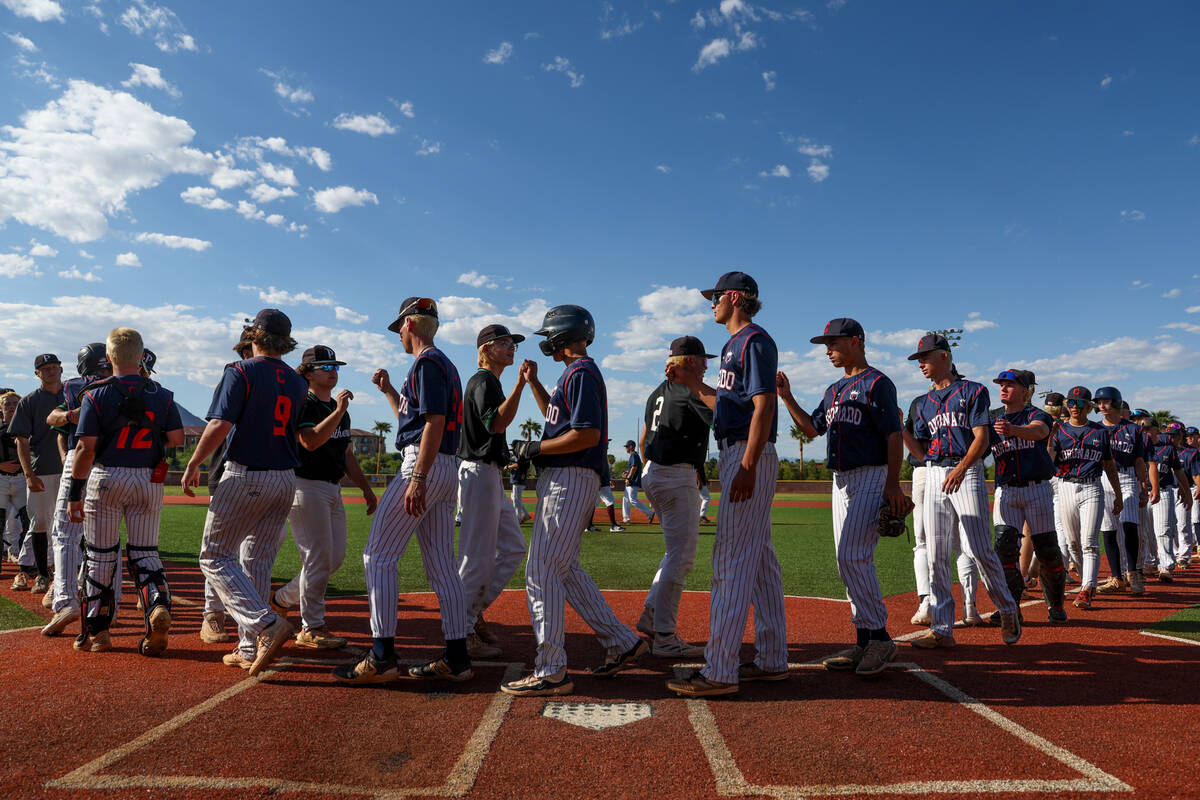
point(14, 616)
point(1185, 624)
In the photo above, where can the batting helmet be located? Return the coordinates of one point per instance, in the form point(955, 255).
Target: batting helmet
point(1108, 393)
point(563, 325)
point(93, 359)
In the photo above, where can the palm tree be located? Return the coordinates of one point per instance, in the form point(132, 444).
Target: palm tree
point(381, 429)
point(1164, 418)
point(802, 438)
point(531, 428)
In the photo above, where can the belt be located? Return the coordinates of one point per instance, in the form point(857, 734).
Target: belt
point(10, 474)
point(723, 443)
point(1072, 479)
point(1021, 484)
point(945, 462)
point(495, 464)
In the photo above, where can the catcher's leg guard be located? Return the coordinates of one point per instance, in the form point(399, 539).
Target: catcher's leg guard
point(1008, 550)
point(99, 601)
point(146, 570)
point(1054, 575)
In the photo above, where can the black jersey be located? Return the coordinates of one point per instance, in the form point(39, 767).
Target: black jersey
point(327, 462)
point(677, 426)
point(481, 403)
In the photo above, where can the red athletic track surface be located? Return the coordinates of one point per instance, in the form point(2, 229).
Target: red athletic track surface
point(1116, 699)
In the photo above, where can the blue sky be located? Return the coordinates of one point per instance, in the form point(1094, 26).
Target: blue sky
point(1025, 171)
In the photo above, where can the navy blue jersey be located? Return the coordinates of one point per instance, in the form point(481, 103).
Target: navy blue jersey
point(579, 400)
point(947, 417)
point(1189, 460)
point(1079, 450)
point(858, 413)
point(635, 470)
point(72, 396)
point(263, 398)
point(1127, 443)
point(124, 440)
point(431, 387)
point(749, 361)
point(1020, 460)
point(1166, 455)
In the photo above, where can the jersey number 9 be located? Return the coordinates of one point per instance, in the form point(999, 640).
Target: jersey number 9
point(283, 413)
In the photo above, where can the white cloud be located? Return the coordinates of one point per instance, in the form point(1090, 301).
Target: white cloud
point(266, 193)
point(1114, 359)
point(174, 242)
point(663, 168)
point(205, 197)
point(613, 28)
point(563, 65)
point(128, 260)
point(666, 312)
point(226, 176)
point(1183, 400)
point(1139, 284)
point(715, 115)
point(1184, 326)
point(500, 55)
point(22, 43)
point(808, 147)
point(478, 280)
point(15, 264)
point(1127, 133)
point(747, 41)
point(371, 125)
point(251, 148)
point(632, 393)
point(282, 297)
point(72, 164)
point(405, 108)
point(40, 72)
point(1195, 140)
point(39, 250)
point(160, 23)
point(150, 77)
point(85, 254)
point(1193, 309)
point(74, 274)
point(347, 315)
point(1106, 81)
point(335, 198)
point(817, 170)
point(769, 79)
point(906, 338)
point(975, 323)
point(698, 22)
point(250, 211)
point(37, 10)
point(429, 148)
point(711, 53)
point(780, 171)
point(284, 176)
point(730, 8)
point(1132, 215)
point(295, 96)
point(1171, 294)
point(462, 317)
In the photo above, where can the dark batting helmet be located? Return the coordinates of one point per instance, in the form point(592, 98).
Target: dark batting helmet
point(93, 359)
point(563, 325)
point(1108, 393)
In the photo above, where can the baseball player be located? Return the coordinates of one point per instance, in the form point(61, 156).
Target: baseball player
point(1081, 452)
point(633, 482)
point(1023, 495)
point(1148, 551)
point(860, 415)
point(675, 441)
point(745, 569)
point(705, 496)
point(124, 426)
point(428, 408)
point(1187, 462)
point(490, 545)
point(318, 516)
point(12, 484)
point(954, 417)
point(92, 364)
point(1193, 440)
point(1170, 478)
point(519, 477)
point(37, 450)
point(260, 400)
point(571, 461)
point(1121, 533)
point(605, 495)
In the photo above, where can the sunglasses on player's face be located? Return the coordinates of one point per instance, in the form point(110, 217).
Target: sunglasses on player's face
point(328, 367)
point(1076, 403)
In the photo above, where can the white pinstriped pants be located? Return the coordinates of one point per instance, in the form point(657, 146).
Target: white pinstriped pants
point(246, 517)
point(856, 496)
point(113, 494)
point(745, 572)
point(518, 502)
point(1016, 505)
point(65, 540)
point(705, 498)
point(920, 546)
point(1129, 512)
point(1186, 537)
point(1166, 526)
point(630, 501)
point(392, 528)
point(961, 515)
point(1080, 507)
point(490, 543)
point(553, 577)
point(1148, 554)
point(12, 499)
point(672, 489)
point(318, 520)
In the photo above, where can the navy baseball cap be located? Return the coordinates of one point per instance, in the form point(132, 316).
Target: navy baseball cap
point(1192, 430)
point(1030, 378)
point(689, 346)
point(274, 321)
point(631, 443)
point(1080, 393)
point(930, 342)
point(1140, 412)
point(732, 282)
point(1174, 428)
point(1014, 375)
point(842, 326)
point(421, 306)
point(493, 332)
point(318, 355)
point(44, 359)
point(1124, 405)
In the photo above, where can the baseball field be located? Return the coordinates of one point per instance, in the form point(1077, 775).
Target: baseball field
point(1103, 705)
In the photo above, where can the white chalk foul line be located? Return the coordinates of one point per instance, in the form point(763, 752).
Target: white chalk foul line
point(1176, 639)
point(457, 784)
point(730, 782)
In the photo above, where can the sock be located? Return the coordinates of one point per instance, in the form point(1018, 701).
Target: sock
point(1113, 551)
point(880, 635)
point(612, 515)
point(384, 648)
point(1132, 542)
point(40, 552)
point(864, 636)
point(456, 654)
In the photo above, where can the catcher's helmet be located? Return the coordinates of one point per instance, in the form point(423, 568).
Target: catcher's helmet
point(93, 359)
point(563, 325)
point(1108, 393)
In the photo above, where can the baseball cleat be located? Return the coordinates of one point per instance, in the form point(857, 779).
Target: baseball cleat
point(844, 660)
point(1083, 599)
point(1166, 576)
point(212, 630)
point(368, 670)
point(706, 520)
point(478, 648)
point(1137, 583)
point(440, 670)
point(1010, 628)
point(533, 686)
point(41, 584)
point(932, 640)
point(971, 619)
point(21, 582)
point(1057, 615)
point(621, 661)
point(1112, 585)
point(276, 606)
point(615, 529)
point(645, 623)
point(591, 529)
point(484, 632)
point(749, 672)
point(236, 659)
point(696, 685)
point(879, 653)
point(48, 599)
point(60, 621)
point(99, 642)
point(160, 624)
point(922, 616)
point(671, 646)
point(319, 639)
point(651, 521)
point(270, 641)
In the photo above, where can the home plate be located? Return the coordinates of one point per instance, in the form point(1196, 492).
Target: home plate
point(597, 716)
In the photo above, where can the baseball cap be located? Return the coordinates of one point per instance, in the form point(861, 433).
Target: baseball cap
point(422, 306)
point(493, 332)
point(272, 320)
point(148, 360)
point(1030, 378)
point(1175, 427)
point(1013, 375)
point(1124, 405)
point(1108, 393)
point(44, 359)
point(631, 443)
point(1054, 399)
point(320, 354)
point(689, 346)
point(930, 342)
point(1080, 393)
point(732, 282)
point(842, 326)
point(1192, 430)
point(1140, 412)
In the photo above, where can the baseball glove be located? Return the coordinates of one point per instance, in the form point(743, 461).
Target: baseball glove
point(889, 524)
point(525, 450)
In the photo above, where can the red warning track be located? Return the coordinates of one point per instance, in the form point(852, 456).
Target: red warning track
point(1083, 710)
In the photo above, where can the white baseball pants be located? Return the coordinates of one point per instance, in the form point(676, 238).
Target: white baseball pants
point(672, 489)
point(318, 520)
point(705, 499)
point(1016, 505)
point(856, 497)
point(1080, 506)
point(605, 494)
point(630, 501)
point(66, 540)
point(113, 494)
point(1129, 512)
point(40, 507)
point(518, 502)
point(490, 543)
point(1186, 537)
point(12, 500)
point(1166, 527)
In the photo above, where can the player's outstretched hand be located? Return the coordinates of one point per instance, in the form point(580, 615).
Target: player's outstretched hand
point(528, 371)
point(382, 380)
point(343, 399)
point(191, 477)
point(783, 387)
point(75, 511)
point(742, 487)
point(414, 498)
point(371, 500)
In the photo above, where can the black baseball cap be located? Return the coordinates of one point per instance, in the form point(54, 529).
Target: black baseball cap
point(1054, 399)
point(1191, 430)
point(272, 320)
point(1030, 378)
point(44, 359)
point(493, 332)
point(631, 443)
point(318, 355)
point(421, 306)
point(1014, 375)
point(930, 342)
point(732, 282)
point(1124, 405)
point(842, 326)
point(148, 360)
point(689, 346)
point(1080, 393)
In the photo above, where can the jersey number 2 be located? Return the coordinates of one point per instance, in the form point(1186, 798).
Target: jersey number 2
point(283, 413)
point(658, 403)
